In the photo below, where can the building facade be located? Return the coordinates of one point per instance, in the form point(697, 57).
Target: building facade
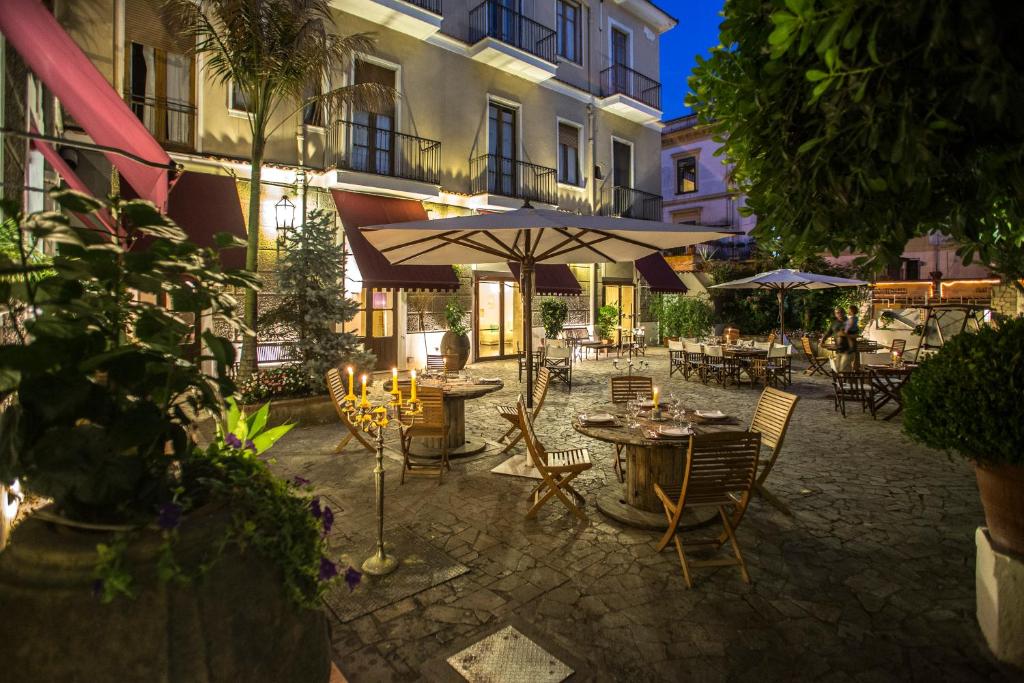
point(558, 103)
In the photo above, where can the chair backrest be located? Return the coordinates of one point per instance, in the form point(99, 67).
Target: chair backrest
point(432, 401)
point(533, 445)
point(719, 465)
point(336, 388)
point(442, 362)
point(779, 351)
point(557, 353)
point(850, 383)
point(713, 351)
point(540, 389)
point(693, 347)
point(805, 343)
point(771, 417)
point(764, 346)
point(772, 337)
point(674, 345)
point(626, 387)
point(899, 346)
point(875, 358)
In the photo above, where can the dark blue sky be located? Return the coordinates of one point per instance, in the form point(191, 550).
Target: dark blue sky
point(696, 33)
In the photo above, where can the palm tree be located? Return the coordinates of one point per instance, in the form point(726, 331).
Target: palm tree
point(271, 51)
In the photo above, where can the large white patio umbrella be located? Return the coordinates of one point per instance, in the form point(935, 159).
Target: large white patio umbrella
point(786, 279)
point(530, 236)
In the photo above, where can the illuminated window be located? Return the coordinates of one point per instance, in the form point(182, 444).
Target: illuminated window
point(686, 175)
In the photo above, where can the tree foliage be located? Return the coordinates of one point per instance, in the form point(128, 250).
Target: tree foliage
point(553, 314)
point(313, 306)
point(859, 124)
point(684, 316)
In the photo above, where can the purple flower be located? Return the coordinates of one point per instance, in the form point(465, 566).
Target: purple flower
point(327, 520)
point(233, 441)
point(328, 570)
point(300, 482)
point(169, 516)
point(352, 577)
point(314, 507)
point(250, 445)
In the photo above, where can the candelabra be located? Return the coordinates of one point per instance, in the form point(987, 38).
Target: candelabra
point(374, 420)
point(641, 364)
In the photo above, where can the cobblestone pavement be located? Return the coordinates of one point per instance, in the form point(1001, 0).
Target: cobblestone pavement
point(871, 579)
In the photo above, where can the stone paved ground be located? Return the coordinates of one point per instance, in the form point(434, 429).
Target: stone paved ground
point(871, 579)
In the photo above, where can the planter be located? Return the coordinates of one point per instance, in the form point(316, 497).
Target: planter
point(233, 624)
point(457, 346)
point(1002, 496)
point(312, 410)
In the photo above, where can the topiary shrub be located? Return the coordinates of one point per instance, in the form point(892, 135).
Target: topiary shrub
point(553, 314)
point(967, 397)
point(607, 318)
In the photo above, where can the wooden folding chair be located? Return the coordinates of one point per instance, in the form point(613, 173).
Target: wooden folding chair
point(443, 363)
point(815, 363)
point(693, 359)
point(771, 420)
point(779, 366)
point(432, 423)
point(899, 346)
point(336, 387)
point(676, 358)
point(557, 468)
point(540, 392)
point(558, 360)
point(625, 388)
point(719, 473)
point(853, 387)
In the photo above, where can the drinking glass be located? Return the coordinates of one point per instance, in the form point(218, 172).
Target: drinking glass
point(633, 410)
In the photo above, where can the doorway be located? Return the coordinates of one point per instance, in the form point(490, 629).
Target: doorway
point(381, 336)
point(620, 60)
point(373, 132)
point(501, 149)
point(621, 295)
point(499, 316)
point(622, 177)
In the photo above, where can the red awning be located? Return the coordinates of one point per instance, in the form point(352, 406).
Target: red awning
point(659, 275)
point(203, 204)
point(58, 62)
point(74, 182)
point(357, 210)
point(554, 279)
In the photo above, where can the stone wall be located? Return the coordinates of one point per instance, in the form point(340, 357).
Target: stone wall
point(1007, 300)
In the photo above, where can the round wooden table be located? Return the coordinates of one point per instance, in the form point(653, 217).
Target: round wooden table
point(456, 393)
point(648, 462)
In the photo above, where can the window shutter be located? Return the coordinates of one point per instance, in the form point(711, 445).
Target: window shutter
point(568, 135)
point(144, 24)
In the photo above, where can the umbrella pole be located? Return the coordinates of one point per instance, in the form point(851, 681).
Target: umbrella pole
point(782, 317)
point(526, 293)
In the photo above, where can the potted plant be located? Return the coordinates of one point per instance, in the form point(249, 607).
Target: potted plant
point(150, 539)
point(607, 319)
point(967, 398)
point(553, 314)
point(455, 342)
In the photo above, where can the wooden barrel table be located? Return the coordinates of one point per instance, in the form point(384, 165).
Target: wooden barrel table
point(456, 393)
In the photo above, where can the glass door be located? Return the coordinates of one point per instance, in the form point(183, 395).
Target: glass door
point(622, 296)
point(373, 132)
point(498, 318)
point(622, 177)
point(380, 327)
point(501, 148)
point(620, 60)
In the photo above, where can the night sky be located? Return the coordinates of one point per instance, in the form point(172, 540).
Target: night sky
point(696, 33)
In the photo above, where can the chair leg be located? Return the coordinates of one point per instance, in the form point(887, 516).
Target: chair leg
point(512, 443)
point(683, 563)
point(405, 457)
point(735, 545)
point(341, 444)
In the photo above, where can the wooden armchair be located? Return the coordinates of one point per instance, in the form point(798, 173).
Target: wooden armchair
point(558, 361)
point(336, 388)
point(557, 468)
point(431, 424)
point(625, 388)
point(855, 388)
point(676, 358)
point(899, 346)
point(719, 472)
point(771, 420)
point(538, 360)
point(509, 413)
point(694, 359)
point(815, 362)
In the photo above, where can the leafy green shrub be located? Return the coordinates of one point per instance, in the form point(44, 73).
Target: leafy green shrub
point(455, 316)
point(684, 316)
point(290, 381)
point(553, 314)
point(967, 397)
point(607, 319)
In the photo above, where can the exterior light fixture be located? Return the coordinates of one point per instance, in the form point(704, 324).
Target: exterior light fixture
point(284, 216)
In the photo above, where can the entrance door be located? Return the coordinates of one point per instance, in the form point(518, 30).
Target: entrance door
point(373, 135)
point(622, 177)
point(498, 318)
point(502, 148)
point(381, 337)
point(622, 296)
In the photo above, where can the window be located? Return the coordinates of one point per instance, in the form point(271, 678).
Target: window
point(373, 132)
point(313, 112)
point(569, 154)
point(686, 175)
point(237, 100)
point(567, 22)
point(160, 92)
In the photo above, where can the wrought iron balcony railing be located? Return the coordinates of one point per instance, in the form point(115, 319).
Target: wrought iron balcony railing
point(368, 149)
point(172, 123)
point(429, 5)
point(628, 202)
point(493, 20)
point(499, 175)
point(620, 79)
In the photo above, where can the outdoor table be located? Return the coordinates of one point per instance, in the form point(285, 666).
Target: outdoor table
point(456, 393)
point(648, 462)
point(744, 354)
point(888, 381)
point(597, 348)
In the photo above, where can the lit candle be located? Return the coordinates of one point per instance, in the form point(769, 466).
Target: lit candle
point(412, 388)
point(350, 380)
point(394, 380)
point(655, 397)
point(363, 397)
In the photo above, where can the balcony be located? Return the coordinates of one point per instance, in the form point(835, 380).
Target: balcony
point(417, 18)
point(366, 157)
point(491, 174)
point(171, 122)
point(630, 94)
point(627, 202)
point(507, 40)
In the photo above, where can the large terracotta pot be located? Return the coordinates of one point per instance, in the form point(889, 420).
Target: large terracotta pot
point(731, 334)
point(1002, 496)
point(457, 346)
point(233, 624)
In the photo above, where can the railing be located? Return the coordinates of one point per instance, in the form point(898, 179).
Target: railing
point(172, 123)
point(621, 79)
point(367, 149)
point(429, 5)
point(494, 20)
point(628, 202)
point(494, 174)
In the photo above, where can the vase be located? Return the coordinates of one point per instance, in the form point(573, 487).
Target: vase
point(456, 346)
point(1002, 496)
point(233, 623)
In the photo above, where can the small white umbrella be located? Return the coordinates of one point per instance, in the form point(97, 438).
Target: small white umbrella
point(786, 279)
point(530, 236)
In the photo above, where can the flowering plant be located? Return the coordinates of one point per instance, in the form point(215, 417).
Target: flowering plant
point(289, 381)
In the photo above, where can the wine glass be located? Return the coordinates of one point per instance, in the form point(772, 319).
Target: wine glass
point(633, 410)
